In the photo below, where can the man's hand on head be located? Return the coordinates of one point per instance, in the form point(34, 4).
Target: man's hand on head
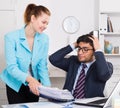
point(95, 43)
point(75, 44)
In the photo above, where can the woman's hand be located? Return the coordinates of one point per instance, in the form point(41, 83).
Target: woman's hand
point(33, 85)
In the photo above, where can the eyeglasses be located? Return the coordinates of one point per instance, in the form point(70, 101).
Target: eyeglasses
point(84, 49)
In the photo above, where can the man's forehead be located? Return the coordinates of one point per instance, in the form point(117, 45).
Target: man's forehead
point(84, 44)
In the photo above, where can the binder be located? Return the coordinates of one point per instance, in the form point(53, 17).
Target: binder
point(103, 23)
point(109, 25)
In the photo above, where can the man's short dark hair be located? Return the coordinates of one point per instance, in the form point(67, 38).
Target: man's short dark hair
point(85, 38)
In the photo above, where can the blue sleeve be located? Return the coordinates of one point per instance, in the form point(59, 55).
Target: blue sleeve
point(42, 66)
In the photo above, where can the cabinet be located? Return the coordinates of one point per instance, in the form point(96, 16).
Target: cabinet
point(111, 37)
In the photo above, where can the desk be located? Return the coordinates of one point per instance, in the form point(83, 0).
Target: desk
point(46, 105)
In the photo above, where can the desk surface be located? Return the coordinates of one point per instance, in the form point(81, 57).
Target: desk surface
point(45, 105)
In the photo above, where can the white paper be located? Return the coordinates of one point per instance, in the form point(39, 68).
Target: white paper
point(42, 105)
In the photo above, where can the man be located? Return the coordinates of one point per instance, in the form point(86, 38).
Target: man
point(97, 70)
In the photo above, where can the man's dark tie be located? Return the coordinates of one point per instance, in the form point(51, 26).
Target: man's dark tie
point(79, 91)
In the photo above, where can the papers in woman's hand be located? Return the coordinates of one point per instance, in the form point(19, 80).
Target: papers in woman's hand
point(55, 94)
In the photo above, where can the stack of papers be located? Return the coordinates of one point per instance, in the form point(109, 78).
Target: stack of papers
point(55, 94)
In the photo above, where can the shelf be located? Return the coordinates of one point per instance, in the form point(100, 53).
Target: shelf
point(112, 54)
point(111, 13)
point(111, 34)
point(112, 38)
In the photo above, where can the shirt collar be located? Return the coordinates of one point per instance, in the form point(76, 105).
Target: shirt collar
point(89, 63)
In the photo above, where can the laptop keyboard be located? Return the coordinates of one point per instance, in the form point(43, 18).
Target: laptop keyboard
point(101, 101)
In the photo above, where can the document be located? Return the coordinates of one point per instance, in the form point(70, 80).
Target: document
point(42, 105)
point(34, 105)
point(55, 94)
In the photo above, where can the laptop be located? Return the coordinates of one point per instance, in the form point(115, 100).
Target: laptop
point(100, 102)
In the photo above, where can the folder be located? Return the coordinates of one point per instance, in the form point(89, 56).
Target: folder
point(55, 94)
point(109, 25)
point(103, 23)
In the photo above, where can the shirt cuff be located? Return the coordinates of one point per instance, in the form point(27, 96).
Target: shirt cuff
point(99, 50)
point(72, 46)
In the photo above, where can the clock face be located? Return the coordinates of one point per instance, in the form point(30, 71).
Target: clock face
point(71, 24)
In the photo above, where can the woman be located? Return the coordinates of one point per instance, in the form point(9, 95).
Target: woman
point(26, 52)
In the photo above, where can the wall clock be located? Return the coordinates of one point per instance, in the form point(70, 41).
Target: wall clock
point(71, 24)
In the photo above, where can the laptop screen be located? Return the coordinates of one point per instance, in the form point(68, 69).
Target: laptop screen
point(114, 94)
